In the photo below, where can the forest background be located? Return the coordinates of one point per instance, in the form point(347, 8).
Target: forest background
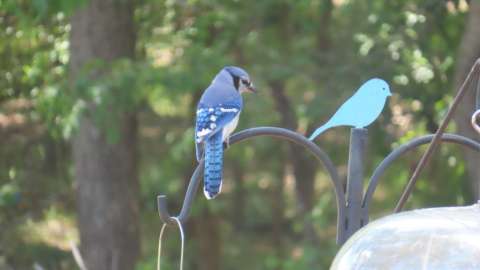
point(97, 108)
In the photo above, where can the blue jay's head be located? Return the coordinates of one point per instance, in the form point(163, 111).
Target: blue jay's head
point(241, 80)
point(378, 86)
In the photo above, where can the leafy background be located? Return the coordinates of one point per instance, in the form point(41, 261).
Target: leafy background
point(313, 54)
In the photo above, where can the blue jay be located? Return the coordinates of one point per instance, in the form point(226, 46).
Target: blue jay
point(361, 109)
point(217, 117)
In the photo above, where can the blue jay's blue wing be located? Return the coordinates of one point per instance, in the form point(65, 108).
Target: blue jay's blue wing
point(211, 120)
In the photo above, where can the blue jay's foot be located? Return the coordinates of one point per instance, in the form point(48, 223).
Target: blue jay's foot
point(226, 143)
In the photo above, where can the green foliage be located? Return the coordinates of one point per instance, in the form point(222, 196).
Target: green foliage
point(318, 51)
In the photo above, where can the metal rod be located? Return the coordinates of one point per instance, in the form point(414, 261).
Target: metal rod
point(475, 121)
point(358, 143)
point(275, 132)
point(400, 151)
point(187, 201)
point(352, 210)
point(433, 145)
point(477, 96)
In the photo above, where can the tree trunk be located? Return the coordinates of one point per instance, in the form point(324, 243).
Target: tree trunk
point(469, 51)
point(105, 172)
point(207, 232)
point(303, 164)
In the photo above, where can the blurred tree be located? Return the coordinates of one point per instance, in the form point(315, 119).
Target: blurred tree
point(105, 168)
point(277, 208)
point(468, 52)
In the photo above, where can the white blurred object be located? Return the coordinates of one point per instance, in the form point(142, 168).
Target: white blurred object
point(37, 266)
point(475, 120)
point(436, 238)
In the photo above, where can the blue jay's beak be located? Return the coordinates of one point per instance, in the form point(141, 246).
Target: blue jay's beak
point(252, 89)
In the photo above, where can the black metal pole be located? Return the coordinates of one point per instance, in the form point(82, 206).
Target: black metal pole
point(358, 143)
point(274, 132)
point(402, 150)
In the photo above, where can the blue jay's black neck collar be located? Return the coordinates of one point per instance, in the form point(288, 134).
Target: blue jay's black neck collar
point(240, 78)
point(236, 79)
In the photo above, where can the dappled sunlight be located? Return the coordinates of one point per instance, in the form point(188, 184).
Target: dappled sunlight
point(55, 230)
point(98, 107)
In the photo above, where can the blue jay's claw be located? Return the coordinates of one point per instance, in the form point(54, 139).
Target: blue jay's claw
point(227, 142)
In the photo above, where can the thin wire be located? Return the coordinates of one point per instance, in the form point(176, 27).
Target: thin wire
point(182, 237)
point(77, 256)
point(183, 241)
point(160, 245)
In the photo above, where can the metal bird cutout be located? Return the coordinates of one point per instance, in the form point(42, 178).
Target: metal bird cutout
point(361, 109)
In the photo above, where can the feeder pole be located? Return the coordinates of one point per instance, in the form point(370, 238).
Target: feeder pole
point(354, 189)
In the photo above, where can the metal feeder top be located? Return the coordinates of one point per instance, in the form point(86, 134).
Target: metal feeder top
point(434, 238)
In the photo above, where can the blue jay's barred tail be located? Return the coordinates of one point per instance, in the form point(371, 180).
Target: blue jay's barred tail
point(213, 165)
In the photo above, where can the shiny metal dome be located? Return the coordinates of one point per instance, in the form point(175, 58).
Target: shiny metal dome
point(435, 238)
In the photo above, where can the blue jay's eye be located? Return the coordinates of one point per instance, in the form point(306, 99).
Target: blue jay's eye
point(246, 82)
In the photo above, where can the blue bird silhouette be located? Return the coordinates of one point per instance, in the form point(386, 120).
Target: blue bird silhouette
point(361, 109)
point(217, 116)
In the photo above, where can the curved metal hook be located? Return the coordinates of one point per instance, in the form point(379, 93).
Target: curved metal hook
point(187, 201)
point(275, 132)
point(399, 151)
point(475, 120)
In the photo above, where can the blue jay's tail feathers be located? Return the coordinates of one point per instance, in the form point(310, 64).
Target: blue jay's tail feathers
point(213, 165)
point(320, 130)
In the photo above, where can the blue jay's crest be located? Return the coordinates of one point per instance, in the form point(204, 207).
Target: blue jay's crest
point(361, 109)
point(237, 77)
point(236, 71)
point(217, 116)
